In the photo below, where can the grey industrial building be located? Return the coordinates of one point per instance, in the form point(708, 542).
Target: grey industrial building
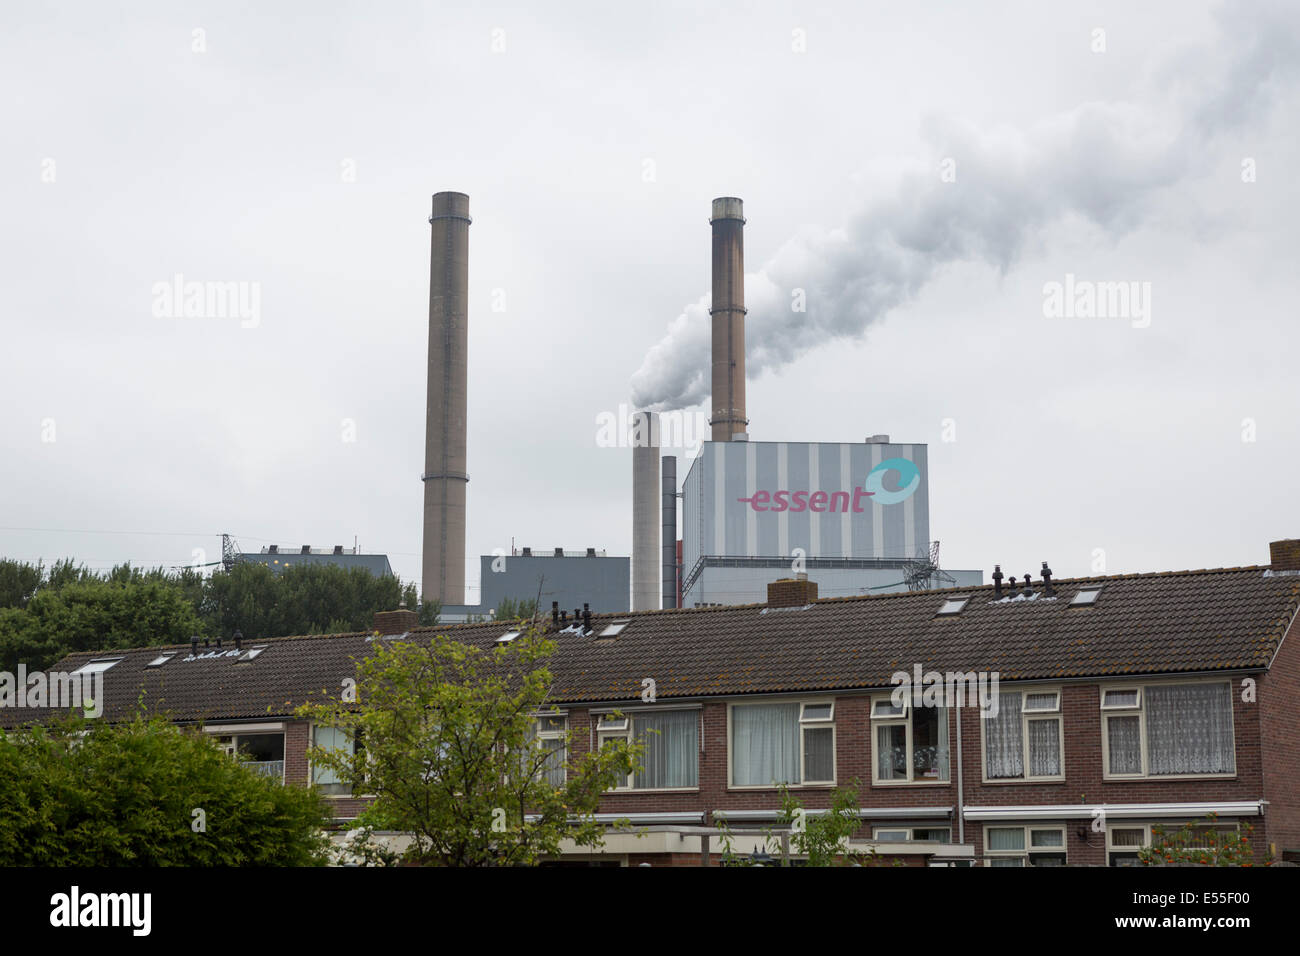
point(571, 578)
point(278, 560)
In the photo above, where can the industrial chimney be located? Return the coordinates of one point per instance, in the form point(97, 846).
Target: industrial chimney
point(728, 311)
point(444, 475)
point(668, 531)
point(645, 511)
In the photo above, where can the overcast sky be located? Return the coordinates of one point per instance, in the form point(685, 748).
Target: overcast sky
point(923, 171)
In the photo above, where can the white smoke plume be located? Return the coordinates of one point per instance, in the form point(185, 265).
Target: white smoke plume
point(1105, 162)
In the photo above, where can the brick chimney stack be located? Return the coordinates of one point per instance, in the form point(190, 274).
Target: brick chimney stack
point(1285, 555)
point(396, 622)
point(791, 592)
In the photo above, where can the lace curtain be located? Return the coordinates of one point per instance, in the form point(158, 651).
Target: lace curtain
point(1189, 728)
point(1004, 748)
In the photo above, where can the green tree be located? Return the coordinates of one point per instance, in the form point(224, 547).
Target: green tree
point(448, 749)
point(516, 609)
point(145, 793)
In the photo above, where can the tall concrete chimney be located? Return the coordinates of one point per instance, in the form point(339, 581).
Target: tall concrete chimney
point(444, 475)
point(668, 532)
point(728, 311)
point(645, 511)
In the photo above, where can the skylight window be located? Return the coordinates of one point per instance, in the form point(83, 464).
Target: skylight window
point(507, 637)
point(250, 654)
point(97, 666)
point(615, 628)
point(1086, 597)
point(954, 605)
point(160, 660)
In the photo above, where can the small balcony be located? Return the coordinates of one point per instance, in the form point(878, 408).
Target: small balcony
point(265, 768)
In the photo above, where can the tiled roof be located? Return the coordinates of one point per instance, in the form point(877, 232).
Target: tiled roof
point(1174, 622)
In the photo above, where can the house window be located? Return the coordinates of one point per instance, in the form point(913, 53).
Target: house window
point(909, 744)
point(1123, 844)
point(792, 743)
point(672, 747)
point(1168, 730)
point(550, 732)
point(263, 754)
point(97, 666)
point(1023, 740)
point(1024, 846)
point(326, 778)
point(912, 834)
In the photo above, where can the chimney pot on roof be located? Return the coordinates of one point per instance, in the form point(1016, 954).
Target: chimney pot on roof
point(239, 639)
point(1047, 579)
point(791, 592)
point(586, 617)
point(997, 580)
point(1284, 555)
point(555, 613)
point(194, 644)
point(218, 641)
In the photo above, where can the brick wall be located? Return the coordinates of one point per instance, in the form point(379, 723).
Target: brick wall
point(1279, 726)
point(1272, 721)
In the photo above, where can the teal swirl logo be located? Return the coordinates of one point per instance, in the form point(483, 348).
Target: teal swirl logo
point(909, 479)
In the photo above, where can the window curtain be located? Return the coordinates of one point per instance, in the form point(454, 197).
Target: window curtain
point(1006, 838)
point(765, 744)
point(1044, 748)
point(1004, 748)
point(1122, 737)
point(672, 754)
point(329, 738)
point(553, 769)
point(1189, 728)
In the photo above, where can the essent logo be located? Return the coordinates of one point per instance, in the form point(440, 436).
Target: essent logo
point(833, 502)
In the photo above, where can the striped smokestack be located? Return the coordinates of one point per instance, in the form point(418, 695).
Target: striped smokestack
point(445, 477)
point(728, 311)
point(645, 511)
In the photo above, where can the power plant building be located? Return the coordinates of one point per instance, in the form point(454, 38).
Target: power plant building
point(850, 516)
point(569, 578)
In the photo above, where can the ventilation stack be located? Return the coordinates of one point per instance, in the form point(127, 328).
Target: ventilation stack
point(645, 511)
point(445, 476)
point(728, 312)
point(668, 531)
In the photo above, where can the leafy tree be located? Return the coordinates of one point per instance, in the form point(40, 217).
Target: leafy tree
point(88, 793)
point(824, 838)
point(95, 615)
point(521, 609)
point(18, 582)
point(1200, 843)
point(448, 749)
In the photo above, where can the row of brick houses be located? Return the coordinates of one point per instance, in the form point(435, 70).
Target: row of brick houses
point(1122, 703)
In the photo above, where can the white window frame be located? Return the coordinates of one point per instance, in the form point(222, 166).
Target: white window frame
point(628, 722)
point(231, 749)
point(1026, 854)
point(803, 725)
point(1025, 717)
point(1112, 848)
point(909, 834)
point(311, 768)
point(98, 666)
point(544, 732)
point(953, 606)
point(1140, 711)
point(905, 720)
